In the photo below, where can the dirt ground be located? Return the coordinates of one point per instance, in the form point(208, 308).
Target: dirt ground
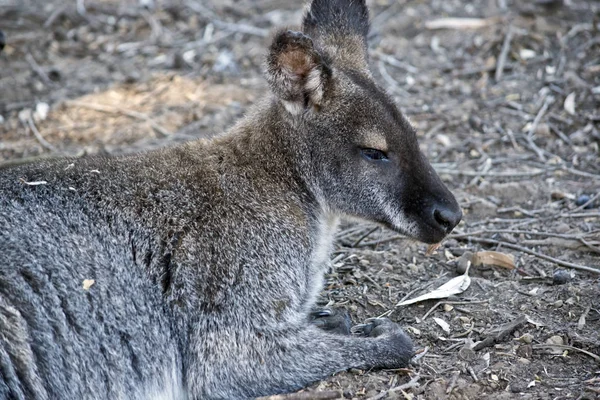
point(507, 104)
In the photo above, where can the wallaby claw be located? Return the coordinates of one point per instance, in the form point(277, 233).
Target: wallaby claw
point(374, 327)
point(331, 320)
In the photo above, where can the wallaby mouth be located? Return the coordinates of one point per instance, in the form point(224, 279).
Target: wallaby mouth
point(431, 207)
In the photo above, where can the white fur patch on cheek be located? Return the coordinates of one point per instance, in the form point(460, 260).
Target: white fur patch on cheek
point(397, 219)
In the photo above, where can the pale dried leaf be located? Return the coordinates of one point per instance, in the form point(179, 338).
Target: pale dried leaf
point(454, 286)
point(34, 183)
point(460, 23)
point(88, 283)
point(443, 324)
point(494, 258)
point(569, 104)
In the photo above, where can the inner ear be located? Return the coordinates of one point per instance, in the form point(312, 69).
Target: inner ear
point(296, 71)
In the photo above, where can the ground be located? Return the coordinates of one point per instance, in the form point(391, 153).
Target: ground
point(507, 108)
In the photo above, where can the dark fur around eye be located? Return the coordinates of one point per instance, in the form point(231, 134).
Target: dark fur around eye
point(374, 155)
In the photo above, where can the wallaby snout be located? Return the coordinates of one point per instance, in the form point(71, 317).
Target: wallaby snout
point(428, 201)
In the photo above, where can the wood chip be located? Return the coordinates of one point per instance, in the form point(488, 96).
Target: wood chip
point(569, 104)
point(88, 283)
point(431, 248)
point(494, 258)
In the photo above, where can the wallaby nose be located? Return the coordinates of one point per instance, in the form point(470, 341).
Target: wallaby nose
point(447, 218)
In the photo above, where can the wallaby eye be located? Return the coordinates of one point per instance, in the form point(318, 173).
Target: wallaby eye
point(374, 155)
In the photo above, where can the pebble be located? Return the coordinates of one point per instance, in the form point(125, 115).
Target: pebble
point(526, 338)
point(584, 198)
point(561, 276)
point(555, 340)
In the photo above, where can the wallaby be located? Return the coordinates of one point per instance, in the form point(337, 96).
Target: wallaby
point(192, 272)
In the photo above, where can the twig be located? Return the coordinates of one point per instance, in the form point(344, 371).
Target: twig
point(116, 110)
point(391, 81)
point(28, 160)
point(413, 383)
point(518, 232)
point(566, 347)
point(499, 333)
point(503, 54)
point(241, 28)
point(536, 121)
point(325, 395)
point(535, 253)
point(502, 174)
point(393, 61)
point(38, 70)
point(39, 136)
point(54, 15)
point(587, 203)
point(455, 376)
point(456, 303)
point(382, 240)
point(364, 236)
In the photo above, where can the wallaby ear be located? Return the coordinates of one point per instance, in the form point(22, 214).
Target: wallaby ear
point(296, 71)
point(340, 28)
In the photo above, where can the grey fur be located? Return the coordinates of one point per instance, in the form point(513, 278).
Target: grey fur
point(207, 257)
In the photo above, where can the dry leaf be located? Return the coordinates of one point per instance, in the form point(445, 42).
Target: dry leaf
point(431, 248)
point(88, 283)
point(494, 258)
point(570, 104)
point(443, 324)
point(454, 286)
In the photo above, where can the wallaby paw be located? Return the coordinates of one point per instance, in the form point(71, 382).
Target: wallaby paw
point(331, 320)
point(397, 346)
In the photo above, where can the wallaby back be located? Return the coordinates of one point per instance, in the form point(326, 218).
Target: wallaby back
point(192, 272)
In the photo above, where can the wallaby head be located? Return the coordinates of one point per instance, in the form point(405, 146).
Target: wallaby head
point(358, 153)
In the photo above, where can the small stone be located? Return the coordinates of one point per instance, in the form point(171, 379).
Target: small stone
point(476, 123)
point(178, 61)
point(558, 303)
point(526, 338)
point(581, 200)
point(555, 340)
point(54, 75)
point(517, 387)
point(468, 354)
point(525, 351)
point(448, 307)
point(41, 111)
point(561, 276)
point(562, 228)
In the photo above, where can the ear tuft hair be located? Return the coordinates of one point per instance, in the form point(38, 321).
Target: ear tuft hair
point(340, 29)
point(337, 17)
